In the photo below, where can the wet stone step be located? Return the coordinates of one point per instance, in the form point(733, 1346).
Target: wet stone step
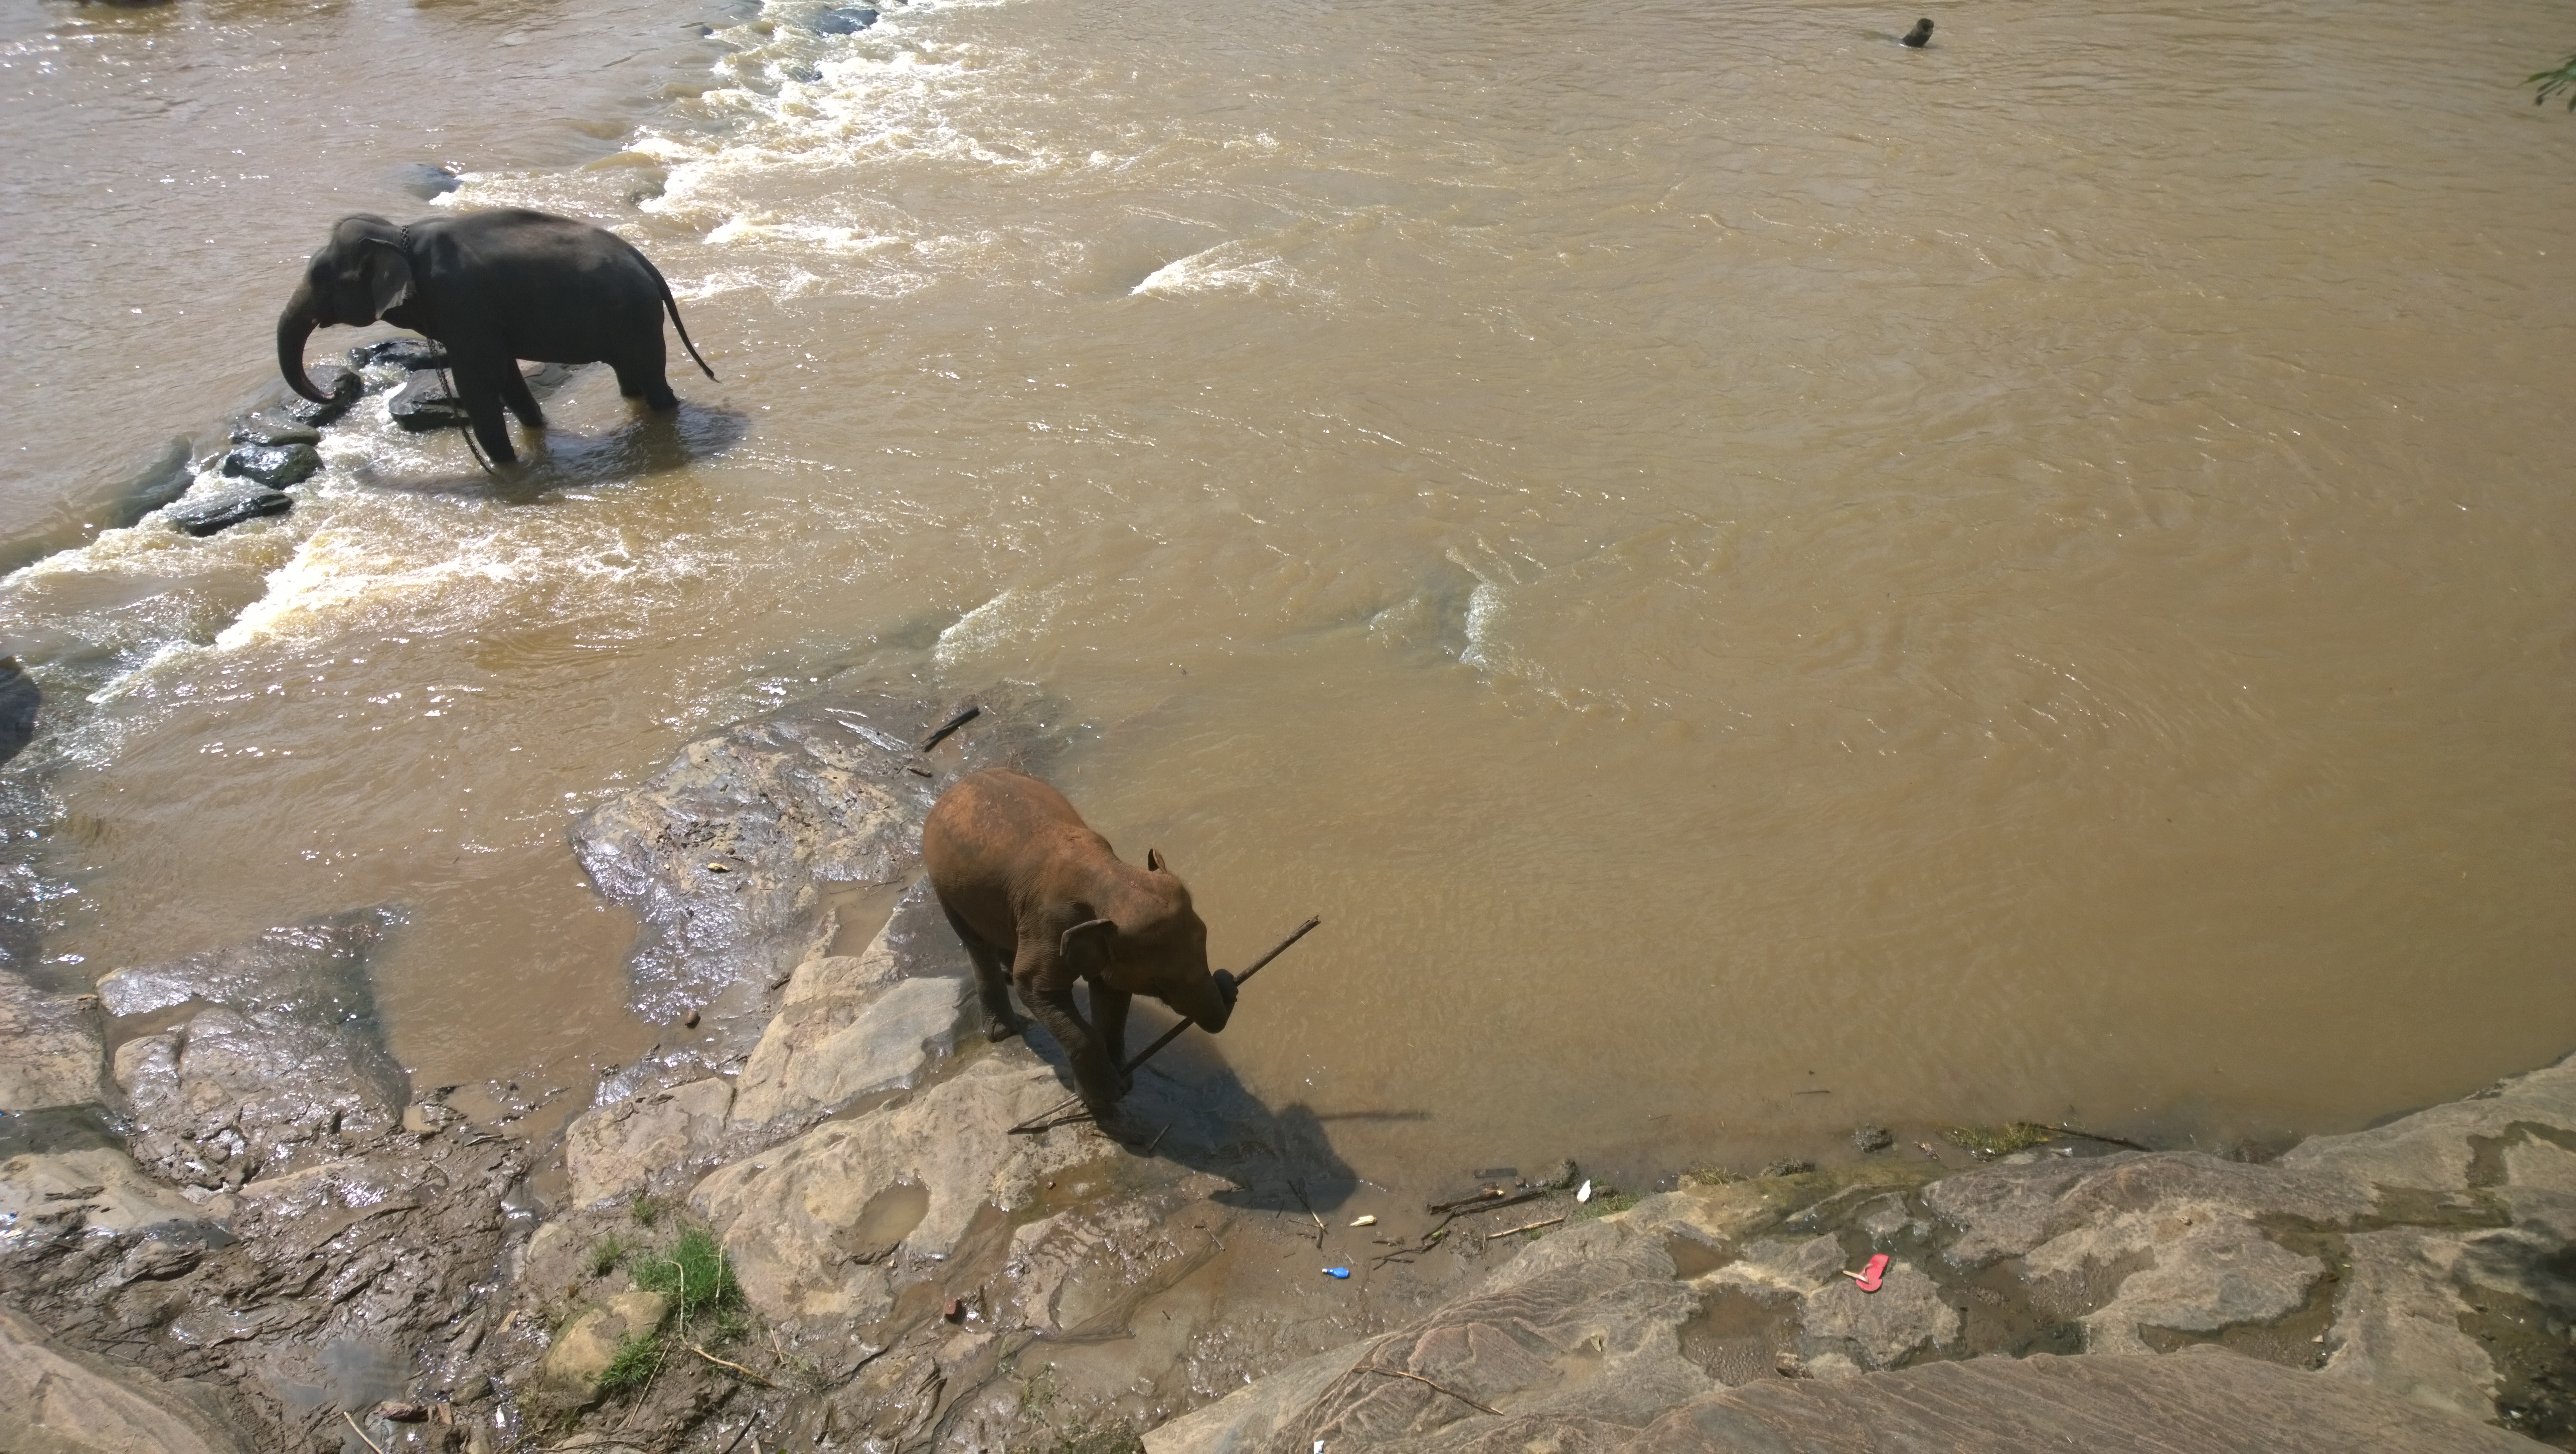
point(228, 505)
point(423, 404)
point(274, 465)
point(343, 386)
point(402, 353)
point(273, 429)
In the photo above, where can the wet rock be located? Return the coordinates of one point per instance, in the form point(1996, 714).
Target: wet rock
point(857, 1024)
point(274, 430)
point(222, 506)
point(53, 1051)
point(793, 1216)
point(848, 20)
point(54, 1400)
point(1083, 1274)
point(1561, 1177)
point(343, 387)
point(626, 1146)
point(585, 1348)
point(425, 181)
point(1788, 1168)
point(1872, 1137)
point(729, 853)
point(162, 481)
point(280, 1064)
point(273, 465)
point(424, 404)
point(407, 353)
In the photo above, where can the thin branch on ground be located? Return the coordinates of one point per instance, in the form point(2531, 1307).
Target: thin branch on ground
point(1418, 1378)
point(362, 1434)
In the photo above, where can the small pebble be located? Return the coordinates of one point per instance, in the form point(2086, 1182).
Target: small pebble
point(692, 1021)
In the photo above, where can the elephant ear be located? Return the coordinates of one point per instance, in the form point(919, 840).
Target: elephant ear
point(1085, 946)
point(388, 276)
point(1154, 860)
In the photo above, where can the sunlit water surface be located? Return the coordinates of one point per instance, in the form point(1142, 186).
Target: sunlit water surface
point(1726, 558)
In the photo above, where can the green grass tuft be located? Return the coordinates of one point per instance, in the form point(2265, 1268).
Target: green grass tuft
point(605, 1257)
point(696, 1276)
point(1989, 1142)
point(633, 1365)
point(646, 1211)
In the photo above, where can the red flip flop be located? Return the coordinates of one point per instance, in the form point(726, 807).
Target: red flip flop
point(1869, 1277)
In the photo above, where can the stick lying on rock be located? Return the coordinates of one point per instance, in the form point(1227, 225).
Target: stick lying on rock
point(1046, 1120)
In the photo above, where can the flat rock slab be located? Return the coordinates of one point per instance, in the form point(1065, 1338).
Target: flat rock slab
point(627, 1146)
point(54, 1400)
point(209, 509)
point(855, 1025)
point(95, 1190)
point(585, 1348)
point(796, 1218)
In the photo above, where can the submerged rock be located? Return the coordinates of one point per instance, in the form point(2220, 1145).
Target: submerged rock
point(425, 181)
point(162, 481)
point(848, 20)
point(19, 699)
point(274, 465)
point(222, 506)
point(424, 404)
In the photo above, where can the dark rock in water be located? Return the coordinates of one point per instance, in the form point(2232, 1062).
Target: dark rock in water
point(344, 387)
point(273, 465)
point(425, 181)
point(402, 353)
point(18, 702)
point(274, 429)
point(1561, 1176)
point(280, 1066)
point(227, 505)
point(806, 75)
point(164, 480)
point(1919, 37)
point(729, 855)
point(1788, 1167)
point(423, 404)
point(848, 20)
point(1872, 1138)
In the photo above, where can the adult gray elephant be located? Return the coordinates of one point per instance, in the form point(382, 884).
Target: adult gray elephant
point(494, 287)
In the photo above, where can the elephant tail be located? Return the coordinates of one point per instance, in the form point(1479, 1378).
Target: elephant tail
point(672, 307)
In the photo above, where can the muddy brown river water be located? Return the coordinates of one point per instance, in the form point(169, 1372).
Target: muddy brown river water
point(1757, 579)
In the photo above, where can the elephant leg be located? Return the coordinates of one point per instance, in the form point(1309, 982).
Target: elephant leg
point(992, 981)
point(638, 379)
point(1093, 1075)
point(481, 393)
point(515, 393)
point(1109, 1022)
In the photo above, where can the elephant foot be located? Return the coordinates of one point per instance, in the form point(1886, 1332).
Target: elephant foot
point(997, 1029)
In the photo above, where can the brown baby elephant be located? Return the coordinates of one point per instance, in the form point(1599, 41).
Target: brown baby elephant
point(1041, 901)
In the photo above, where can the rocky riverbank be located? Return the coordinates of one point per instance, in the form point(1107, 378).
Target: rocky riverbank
point(229, 1222)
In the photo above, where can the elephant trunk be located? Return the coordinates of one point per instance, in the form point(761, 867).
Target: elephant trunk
point(294, 326)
